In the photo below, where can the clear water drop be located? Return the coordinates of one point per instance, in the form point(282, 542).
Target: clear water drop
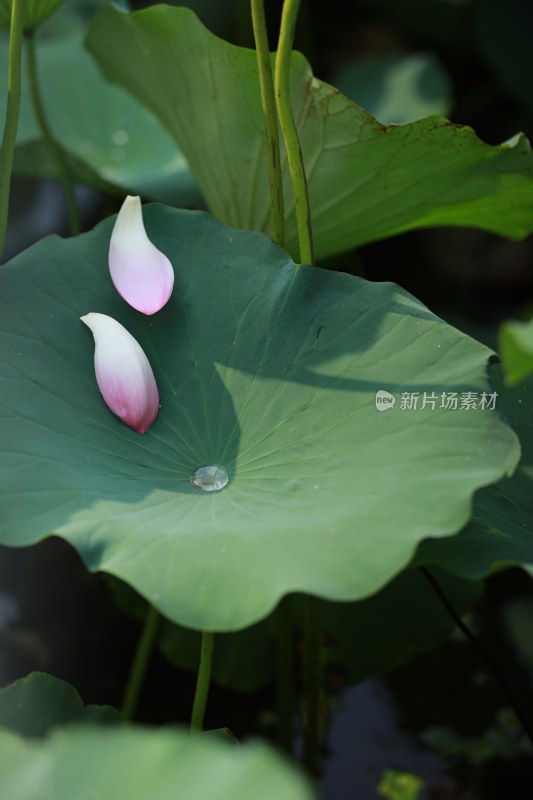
point(292, 485)
point(210, 478)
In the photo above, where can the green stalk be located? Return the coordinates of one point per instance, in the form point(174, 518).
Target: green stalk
point(202, 682)
point(285, 676)
point(140, 663)
point(14, 82)
point(290, 134)
point(55, 148)
point(312, 683)
point(268, 100)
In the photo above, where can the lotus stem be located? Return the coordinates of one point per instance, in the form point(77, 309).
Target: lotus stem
point(140, 664)
point(202, 682)
point(55, 148)
point(285, 676)
point(268, 100)
point(312, 684)
point(14, 82)
point(289, 131)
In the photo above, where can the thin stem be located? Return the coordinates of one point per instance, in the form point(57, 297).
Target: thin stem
point(202, 682)
point(499, 677)
point(55, 148)
point(140, 663)
point(290, 133)
point(268, 100)
point(14, 81)
point(312, 683)
point(285, 676)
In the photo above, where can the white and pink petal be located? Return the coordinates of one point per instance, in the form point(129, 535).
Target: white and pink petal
point(123, 373)
point(141, 273)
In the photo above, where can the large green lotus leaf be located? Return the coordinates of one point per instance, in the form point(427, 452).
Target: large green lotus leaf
point(501, 531)
point(136, 764)
point(402, 619)
point(366, 181)
point(118, 141)
point(266, 369)
point(34, 705)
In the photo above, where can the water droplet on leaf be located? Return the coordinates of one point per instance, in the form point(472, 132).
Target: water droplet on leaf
point(210, 478)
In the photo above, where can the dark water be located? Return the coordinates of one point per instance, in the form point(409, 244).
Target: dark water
point(366, 739)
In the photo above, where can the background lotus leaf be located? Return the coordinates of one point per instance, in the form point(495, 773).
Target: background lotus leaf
point(122, 148)
point(366, 181)
point(38, 703)
point(516, 349)
point(501, 531)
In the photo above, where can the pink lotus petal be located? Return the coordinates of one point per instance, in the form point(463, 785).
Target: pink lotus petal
point(142, 274)
point(123, 373)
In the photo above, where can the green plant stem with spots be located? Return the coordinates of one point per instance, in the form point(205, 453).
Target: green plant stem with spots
point(268, 100)
point(14, 83)
point(290, 133)
point(202, 682)
point(56, 151)
point(140, 664)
